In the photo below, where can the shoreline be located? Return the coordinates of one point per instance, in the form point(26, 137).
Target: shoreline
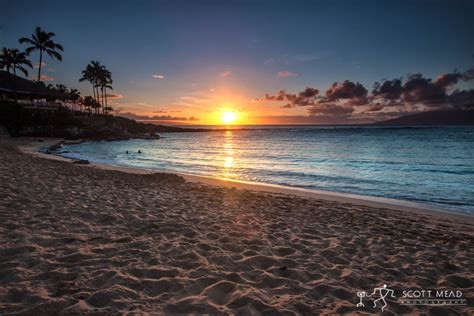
point(33, 146)
point(108, 240)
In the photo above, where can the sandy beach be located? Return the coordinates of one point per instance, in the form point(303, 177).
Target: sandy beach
point(76, 239)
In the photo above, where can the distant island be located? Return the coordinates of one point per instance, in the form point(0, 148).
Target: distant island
point(433, 118)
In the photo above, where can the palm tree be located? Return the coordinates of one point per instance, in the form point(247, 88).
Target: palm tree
point(87, 74)
point(97, 71)
point(13, 60)
point(74, 96)
point(108, 109)
point(100, 77)
point(42, 42)
point(105, 82)
point(91, 74)
point(88, 103)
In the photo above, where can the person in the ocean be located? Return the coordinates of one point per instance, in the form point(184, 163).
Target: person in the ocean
point(127, 152)
point(139, 151)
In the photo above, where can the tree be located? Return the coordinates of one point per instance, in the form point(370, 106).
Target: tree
point(91, 104)
point(87, 74)
point(96, 73)
point(105, 82)
point(13, 60)
point(100, 77)
point(108, 110)
point(91, 73)
point(42, 41)
point(74, 96)
point(62, 91)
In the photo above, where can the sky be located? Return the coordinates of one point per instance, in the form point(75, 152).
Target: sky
point(188, 62)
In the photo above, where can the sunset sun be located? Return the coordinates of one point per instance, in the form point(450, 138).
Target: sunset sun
point(228, 117)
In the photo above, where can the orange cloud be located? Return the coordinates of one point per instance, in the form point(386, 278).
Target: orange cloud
point(226, 74)
point(286, 74)
point(37, 65)
point(43, 78)
point(115, 96)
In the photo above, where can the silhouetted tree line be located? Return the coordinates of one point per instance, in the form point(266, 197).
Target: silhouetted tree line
point(15, 61)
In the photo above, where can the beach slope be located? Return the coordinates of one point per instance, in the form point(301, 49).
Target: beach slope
point(81, 239)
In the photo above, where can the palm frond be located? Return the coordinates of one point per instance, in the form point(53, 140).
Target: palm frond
point(23, 70)
point(54, 54)
point(29, 50)
point(26, 40)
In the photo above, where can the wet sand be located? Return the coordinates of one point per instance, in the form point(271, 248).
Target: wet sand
point(89, 240)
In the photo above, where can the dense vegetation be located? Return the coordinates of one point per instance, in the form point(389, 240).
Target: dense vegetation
point(65, 123)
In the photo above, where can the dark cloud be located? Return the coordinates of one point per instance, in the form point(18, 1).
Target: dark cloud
point(303, 98)
point(157, 117)
point(281, 96)
point(447, 80)
point(462, 99)
point(347, 101)
point(388, 89)
point(418, 89)
point(468, 75)
point(309, 93)
point(355, 93)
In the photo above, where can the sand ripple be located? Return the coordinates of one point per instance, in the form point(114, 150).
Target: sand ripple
point(78, 240)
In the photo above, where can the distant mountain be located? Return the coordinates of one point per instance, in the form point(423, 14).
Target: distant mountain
point(441, 117)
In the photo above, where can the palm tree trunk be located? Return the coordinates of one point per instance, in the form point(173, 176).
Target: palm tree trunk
point(106, 106)
point(39, 74)
point(97, 93)
point(14, 84)
point(103, 103)
point(39, 66)
point(11, 80)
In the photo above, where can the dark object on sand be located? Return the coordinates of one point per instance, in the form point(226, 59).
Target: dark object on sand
point(81, 162)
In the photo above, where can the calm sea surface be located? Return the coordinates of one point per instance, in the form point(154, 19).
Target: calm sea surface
point(431, 165)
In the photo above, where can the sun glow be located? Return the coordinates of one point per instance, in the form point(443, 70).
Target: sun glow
point(228, 117)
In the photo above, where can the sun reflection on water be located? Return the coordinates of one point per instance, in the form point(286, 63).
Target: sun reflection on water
point(228, 153)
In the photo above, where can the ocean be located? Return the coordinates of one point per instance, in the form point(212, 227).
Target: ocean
point(429, 165)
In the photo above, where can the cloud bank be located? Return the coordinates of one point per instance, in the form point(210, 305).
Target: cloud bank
point(349, 101)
